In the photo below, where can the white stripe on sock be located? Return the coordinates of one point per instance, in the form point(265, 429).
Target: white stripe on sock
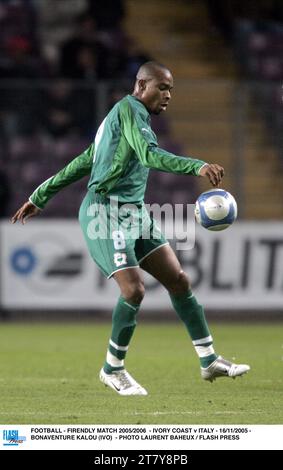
point(200, 341)
point(204, 351)
point(119, 348)
point(131, 306)
point(113, 361)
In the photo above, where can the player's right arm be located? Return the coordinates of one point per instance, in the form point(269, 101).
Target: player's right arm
point(75, 170)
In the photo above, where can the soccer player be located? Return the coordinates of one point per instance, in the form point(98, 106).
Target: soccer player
point(118, 162)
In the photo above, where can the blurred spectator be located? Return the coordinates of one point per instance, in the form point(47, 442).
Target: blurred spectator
point(56, 23)
point(258, 41)
point(111, 55)
point(107, 14)
point(18, 18)
point(224, 13)
point(67, 110)
point(93, 55)
point(19, 61)
point(19, 45)
point(19, 108)
point(135, 58)
point(4, 113)
point(4, 194)
point(78, 53)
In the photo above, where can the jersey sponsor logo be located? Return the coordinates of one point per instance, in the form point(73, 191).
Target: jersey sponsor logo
point(120, 259)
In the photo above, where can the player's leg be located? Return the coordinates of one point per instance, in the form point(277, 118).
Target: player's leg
point(113, 373)
point(124, 317)
point(164, 266)
point(114, 255)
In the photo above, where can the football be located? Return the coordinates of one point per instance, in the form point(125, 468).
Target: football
point(216, 209)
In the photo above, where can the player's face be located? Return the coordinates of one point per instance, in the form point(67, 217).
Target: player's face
point(157, 92)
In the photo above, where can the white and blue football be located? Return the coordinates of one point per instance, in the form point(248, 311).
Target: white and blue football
point(216, 209)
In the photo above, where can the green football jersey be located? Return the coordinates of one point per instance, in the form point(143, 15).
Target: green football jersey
point(118, 161)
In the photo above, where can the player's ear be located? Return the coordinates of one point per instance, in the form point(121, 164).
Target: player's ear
point(142, 84)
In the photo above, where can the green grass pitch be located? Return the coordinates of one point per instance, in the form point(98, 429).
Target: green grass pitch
point(49, 374)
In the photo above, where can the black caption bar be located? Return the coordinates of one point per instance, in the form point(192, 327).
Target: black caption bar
point(135, 458)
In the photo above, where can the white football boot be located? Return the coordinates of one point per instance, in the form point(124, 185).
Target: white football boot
point(223, 368)
point(122, 382)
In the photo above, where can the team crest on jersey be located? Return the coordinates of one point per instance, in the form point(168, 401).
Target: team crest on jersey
point(120, 259)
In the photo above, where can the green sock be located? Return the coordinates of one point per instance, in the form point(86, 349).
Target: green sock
point(192, 314)
point(123, 326)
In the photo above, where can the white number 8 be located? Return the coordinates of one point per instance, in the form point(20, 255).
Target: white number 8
point(118, 240)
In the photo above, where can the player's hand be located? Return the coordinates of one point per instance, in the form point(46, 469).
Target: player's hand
point(214, 173)
point(25, 212)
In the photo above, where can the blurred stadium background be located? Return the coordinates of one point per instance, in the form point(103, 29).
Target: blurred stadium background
point(62, 68)
point(63, 64)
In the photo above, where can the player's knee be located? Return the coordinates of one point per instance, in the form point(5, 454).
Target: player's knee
point(134, 292)
point(183, 283)
point(180, 284)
